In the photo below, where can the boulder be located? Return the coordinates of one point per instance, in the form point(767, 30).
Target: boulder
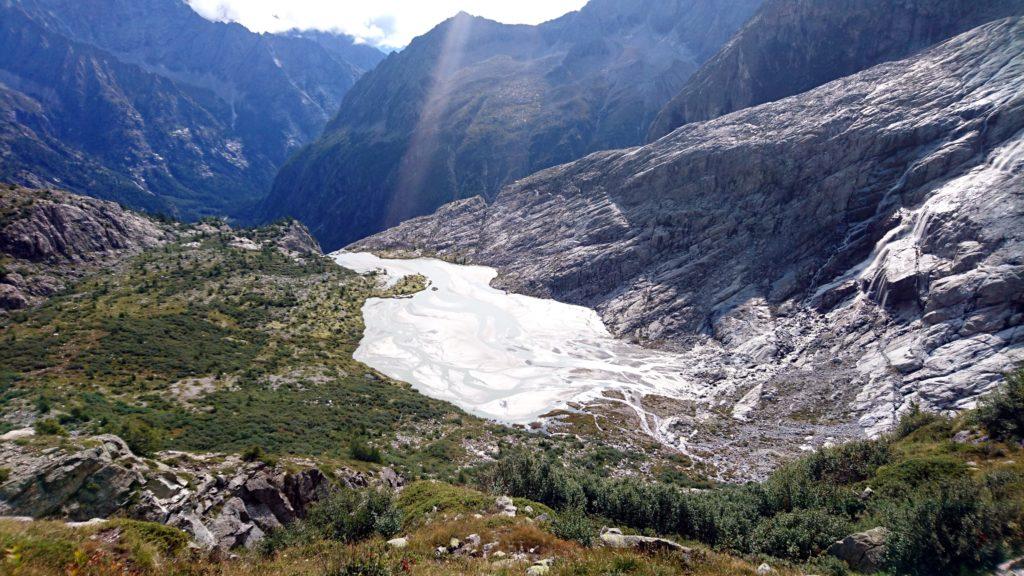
point(540, 567)
point(390, 478)
point(266, 491)
point(304, 488)
point(233, 527)
point(78, 486)
point(505, 506)
point(614, 538)
point(102, 478)
point(862, 551)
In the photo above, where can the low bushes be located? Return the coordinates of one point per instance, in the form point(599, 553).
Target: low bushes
point(362, 451)
point(946, 529)
point(573, 524)
point(428, 497)
point(945, 516)
point(142, 438)
point(49, 427)
point(346, 516)
point(799, 535)
point(1002, 412)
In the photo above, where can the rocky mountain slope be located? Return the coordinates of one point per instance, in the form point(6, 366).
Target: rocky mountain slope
point(221, 503)
point(49, 238)
point(474, 104)
point(149, 104)
point(791, 46)
point(828, 258)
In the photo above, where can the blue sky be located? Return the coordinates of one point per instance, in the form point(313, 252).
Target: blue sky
point(386, 23)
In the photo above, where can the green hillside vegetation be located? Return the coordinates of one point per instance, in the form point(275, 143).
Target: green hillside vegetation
point(951, 492)
point(951, 496)
point(205, 346)
point(220, 342)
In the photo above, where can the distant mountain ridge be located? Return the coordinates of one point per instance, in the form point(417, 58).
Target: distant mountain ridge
point(791, 46)
point(150, 104)
point(473, 105)
point(347, 47)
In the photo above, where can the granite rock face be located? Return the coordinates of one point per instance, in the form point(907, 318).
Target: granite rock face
point(791, 46)
point(842, 253)
point(474, 104)
point(51, 237)
point(221, 502)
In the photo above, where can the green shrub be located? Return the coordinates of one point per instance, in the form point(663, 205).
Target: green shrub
point(5, 474)
point(365, 563)
point(346, 515)
point(796, 485)
point(798, 535)
point(364, 452)
point(527, 476)
point(49, 427)
point(946, 529)
point(724, 517)
point(848, 463)
point(387, 517)
point(421, 498)
point(904, 477)
point(573, 524)
point(257, 454)
point(143, 439)
point(1001, 413)
point(913, 420)
point(167, 540)
point(826, 566)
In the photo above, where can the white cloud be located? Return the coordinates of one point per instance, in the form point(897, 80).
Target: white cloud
point(388, 23)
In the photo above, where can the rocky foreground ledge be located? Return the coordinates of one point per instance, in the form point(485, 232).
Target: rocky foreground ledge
point(222, 502)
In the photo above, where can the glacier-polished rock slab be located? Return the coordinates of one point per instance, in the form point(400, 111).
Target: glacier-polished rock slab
point(498, 355)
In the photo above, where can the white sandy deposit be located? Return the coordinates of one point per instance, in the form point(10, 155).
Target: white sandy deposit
point(502, 356)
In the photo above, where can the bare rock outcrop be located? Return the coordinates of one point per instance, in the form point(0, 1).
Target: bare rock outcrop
point(52, 237)
point(220, 502)
point(791, 46)
point(833, 256)
point(863, 551)
point(614, 538)
point(295, 239)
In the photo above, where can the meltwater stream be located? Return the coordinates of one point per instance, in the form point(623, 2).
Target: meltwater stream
point(503, 356)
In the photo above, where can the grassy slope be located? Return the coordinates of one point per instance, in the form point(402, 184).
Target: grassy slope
point(434, 512)
point(217, 348)
point(220, 348)
point(48, 548)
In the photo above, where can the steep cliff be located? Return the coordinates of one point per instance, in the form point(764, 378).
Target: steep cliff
point(842, 253)
point(474, 104)
point(792, 46)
